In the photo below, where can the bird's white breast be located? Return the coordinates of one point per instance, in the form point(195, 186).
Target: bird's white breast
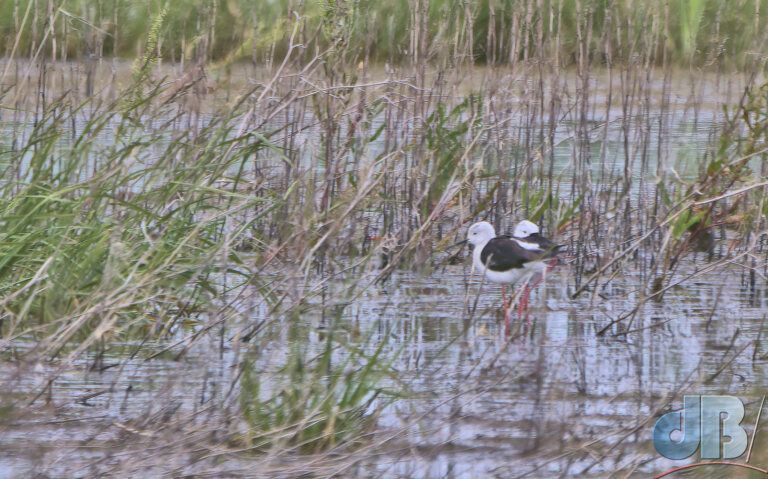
point(511, 276)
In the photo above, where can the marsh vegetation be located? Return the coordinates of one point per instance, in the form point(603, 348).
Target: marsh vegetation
point(225, 233)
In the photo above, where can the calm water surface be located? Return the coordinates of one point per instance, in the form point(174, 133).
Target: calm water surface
point(546, 401)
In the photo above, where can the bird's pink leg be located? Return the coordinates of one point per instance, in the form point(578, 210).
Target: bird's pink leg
point(504, 295)
point(530, 286)
point(527, 297)
point(551, 265)
point(506, 304)
point(522, 305)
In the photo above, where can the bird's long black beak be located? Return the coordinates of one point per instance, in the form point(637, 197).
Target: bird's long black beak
point(459, 243)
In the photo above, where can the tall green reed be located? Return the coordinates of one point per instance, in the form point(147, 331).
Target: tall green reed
point(491, 31)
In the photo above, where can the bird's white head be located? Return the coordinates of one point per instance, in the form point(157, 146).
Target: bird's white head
point(480, 233)
point(525, 228)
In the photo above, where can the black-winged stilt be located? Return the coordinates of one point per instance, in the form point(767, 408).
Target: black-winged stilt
point(508, 260)
point(528, 234)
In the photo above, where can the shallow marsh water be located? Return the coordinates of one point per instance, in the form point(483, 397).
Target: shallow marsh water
point(546, 401)
point(556, 399)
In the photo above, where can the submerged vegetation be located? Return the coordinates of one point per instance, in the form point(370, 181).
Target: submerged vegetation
point(256, 173)
point(318, 405)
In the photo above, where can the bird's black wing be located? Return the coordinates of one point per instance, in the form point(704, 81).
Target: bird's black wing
point(538, 244)
point(544, 243)
point(503, 253)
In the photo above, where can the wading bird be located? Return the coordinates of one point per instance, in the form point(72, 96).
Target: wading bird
point(510, 260)
point(527, 232)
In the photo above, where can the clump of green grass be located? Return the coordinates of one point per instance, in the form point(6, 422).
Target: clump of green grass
point(87, 246)
point(322, 400)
